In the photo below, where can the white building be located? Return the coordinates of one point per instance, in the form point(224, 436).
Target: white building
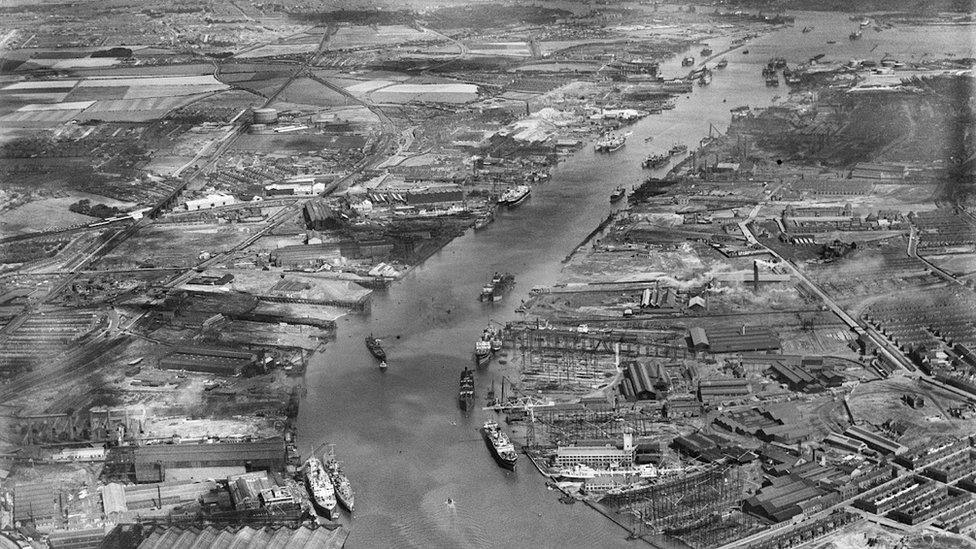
point(300, 187)
point(210, 201)
point(597, 457)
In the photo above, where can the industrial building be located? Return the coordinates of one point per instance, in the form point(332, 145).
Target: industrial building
point(305, 535)
point(210, 201)
point(922, 456)
point(36, 503)
point(875, 441)
point(728, 339)
point(319, 216)
point(723, 389)
point(152, 462)
point(208, 360)
point(598, 457)
point(788, 496)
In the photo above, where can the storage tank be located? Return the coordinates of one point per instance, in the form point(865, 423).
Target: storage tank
point(265, 116)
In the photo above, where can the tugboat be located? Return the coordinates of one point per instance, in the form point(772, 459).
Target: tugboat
point(617, 194)
point(320, 487)
point(722, 63)
point(655, 161)
point(343, 489)
point(687, 61)
point(383, 365)
point(706, 51)
point(610, 142)
point(514, 196)
point(501, 447)
point(677, 149)
point(375, 349)
point(466, 390)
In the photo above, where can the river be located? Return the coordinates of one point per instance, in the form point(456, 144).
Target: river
point(404, 443)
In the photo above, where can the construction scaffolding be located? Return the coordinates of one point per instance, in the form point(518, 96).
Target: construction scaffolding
point(569, 426)
point(681, 506)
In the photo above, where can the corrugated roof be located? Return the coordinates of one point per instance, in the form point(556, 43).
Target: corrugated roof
point(311, 536)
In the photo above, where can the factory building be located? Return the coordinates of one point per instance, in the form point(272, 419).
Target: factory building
point(210, 201)
point(924, 455)
point(729, 339)
point(875, 441)
point(152, 462)
point(304, 187)
point(787, 497)
point(598, 457)
point(723, 389)
point(319, 216)
point(208, 360)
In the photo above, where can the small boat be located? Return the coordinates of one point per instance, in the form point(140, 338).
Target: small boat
point(722, 63)
point(745, 52)
point(856, 35)
point(687, 61)
point(383, 365)
point(483, 222)
point(831, 41)
point(375, 348)
point(618, 194)
point(706, 51)
point(806, 30)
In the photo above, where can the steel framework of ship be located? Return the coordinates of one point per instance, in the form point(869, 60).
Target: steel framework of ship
point(680, 506)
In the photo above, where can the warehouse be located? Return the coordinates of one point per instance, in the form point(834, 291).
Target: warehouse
point(319, 216)
point(152, 462)
point(36, 503)
point(733, 340)
point(875, 441)
point(208, 360)
point(782, 499)
point(722, 389)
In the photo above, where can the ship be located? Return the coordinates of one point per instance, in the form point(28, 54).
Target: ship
point(482, 352)
point(340, 483)
point(515, 195)
point(806, 30)
point(498, 442)
point(610, 142)
point(617, 194)
point(687, 61)
point(677, 148)
point(375, 348)
point(466, 390)
point(500, 285)
point(722, 63)
point(483, 221)
point(856, 35)
point(320, 487)
point(655, 161)
point(705, 78)
point(706, 51)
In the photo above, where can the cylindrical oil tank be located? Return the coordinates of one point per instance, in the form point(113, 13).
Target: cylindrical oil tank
point(265, 116)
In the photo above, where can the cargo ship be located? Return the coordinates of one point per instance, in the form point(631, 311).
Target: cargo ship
point(655, 161)
point(466, 390)
point(515, 195)
point(340, 483)
point(496, 289)
point(320, 487)
point(617, 194)
point(610, 142)
point(375, 348)
point(482, 352)
point(501, 447)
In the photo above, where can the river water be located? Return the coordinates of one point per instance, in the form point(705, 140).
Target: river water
point(404, 443)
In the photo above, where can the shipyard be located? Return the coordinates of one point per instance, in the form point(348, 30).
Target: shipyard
point(461, 274)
